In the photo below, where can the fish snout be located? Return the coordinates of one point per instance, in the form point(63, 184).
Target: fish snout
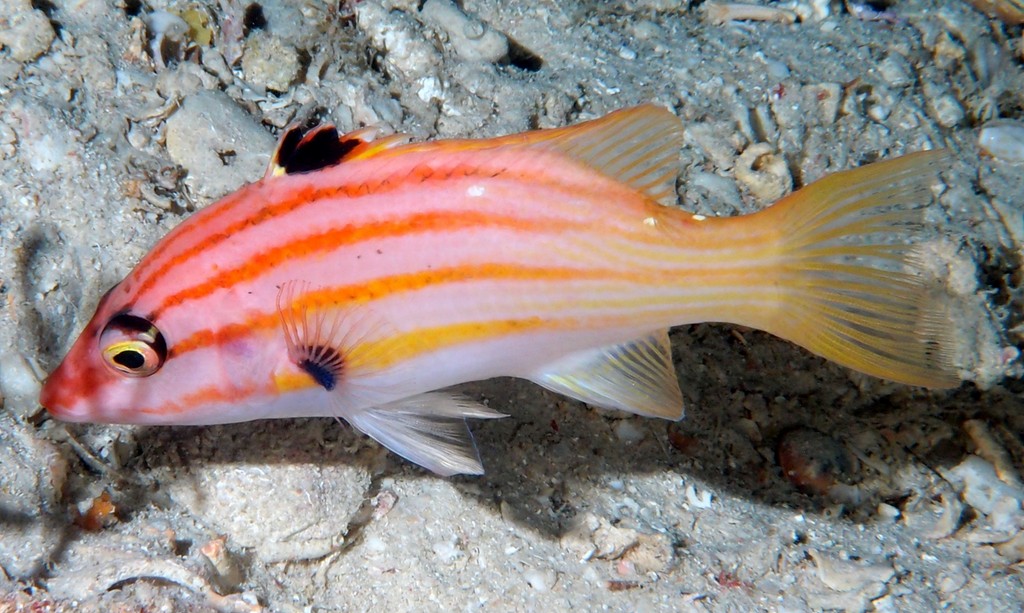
point(61, 399)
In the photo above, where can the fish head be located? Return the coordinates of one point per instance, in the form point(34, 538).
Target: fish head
point(112, 369)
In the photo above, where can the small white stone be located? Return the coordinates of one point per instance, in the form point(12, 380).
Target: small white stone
point(613, 541)
point(702, 186)
point(430, 89)
point(280, 511)
point(374, 544)
point(27, 34)
point(896, 70)
point(824, 98)
point(47, 153)
point(539, 579)
point(845, 575)
point(811, 10)
point(701, 501)
point(764, 172)
point(446, 552)
point(878, 112)
point(408, 52)
point(947, 110)
point(982, 488)
point(934, 519)
point(1007, 516)
point(952, 579)
point(628, 432)
point(471, 39)
point(887, 511)
point(271, 63)
point(1003, 140)
point(777, 69)
point(18, 383)
point(220, 145)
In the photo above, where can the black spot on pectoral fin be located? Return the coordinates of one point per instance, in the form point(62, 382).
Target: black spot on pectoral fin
point(315, 336)
point(325, 364)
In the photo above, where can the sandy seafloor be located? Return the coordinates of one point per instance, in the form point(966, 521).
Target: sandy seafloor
point(916, 502)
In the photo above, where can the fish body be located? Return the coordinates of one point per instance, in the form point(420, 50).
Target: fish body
point(357, 286)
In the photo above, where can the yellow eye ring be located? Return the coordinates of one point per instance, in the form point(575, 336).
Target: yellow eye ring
point(134, 358)
point(132, 346)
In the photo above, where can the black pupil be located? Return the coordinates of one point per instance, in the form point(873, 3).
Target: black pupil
point(130, 359)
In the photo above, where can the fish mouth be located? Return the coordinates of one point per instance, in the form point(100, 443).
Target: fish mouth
point(55, 402)
point(49, 401)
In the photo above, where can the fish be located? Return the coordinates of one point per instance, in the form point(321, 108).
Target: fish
point(362, 277)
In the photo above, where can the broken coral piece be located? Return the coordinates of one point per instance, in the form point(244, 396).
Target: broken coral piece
point(1010, 11)
point(721, 13)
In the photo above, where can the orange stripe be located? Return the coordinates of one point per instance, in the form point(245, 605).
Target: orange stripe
point(361, 293)
point(198, 223)
point(402, 347)
point(307, 195)
point(203, 396)
point(365, 292)
point(330, 240)
point(191, 225)
point(301, 196)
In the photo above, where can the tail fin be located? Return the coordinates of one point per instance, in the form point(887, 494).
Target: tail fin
point(853, 289)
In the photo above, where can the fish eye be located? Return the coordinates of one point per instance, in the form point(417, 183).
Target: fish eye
point(132, 346)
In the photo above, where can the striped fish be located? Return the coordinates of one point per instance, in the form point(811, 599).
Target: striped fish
point(360, 276)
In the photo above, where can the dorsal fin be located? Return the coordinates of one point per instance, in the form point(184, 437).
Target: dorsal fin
point(638, 146)
point(300, 150)
point(370, 146)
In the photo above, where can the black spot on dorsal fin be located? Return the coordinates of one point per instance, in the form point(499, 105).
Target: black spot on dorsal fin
point(325, 364)
point(301, 151)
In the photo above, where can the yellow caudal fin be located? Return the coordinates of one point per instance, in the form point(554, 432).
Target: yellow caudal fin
point(853, 288)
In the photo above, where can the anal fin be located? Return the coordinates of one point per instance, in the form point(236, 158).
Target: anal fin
point(429, 429)
point(637, 377)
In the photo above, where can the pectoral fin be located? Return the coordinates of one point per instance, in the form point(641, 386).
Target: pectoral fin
point(637, 377)
point(428, 429)
point(332, 341)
